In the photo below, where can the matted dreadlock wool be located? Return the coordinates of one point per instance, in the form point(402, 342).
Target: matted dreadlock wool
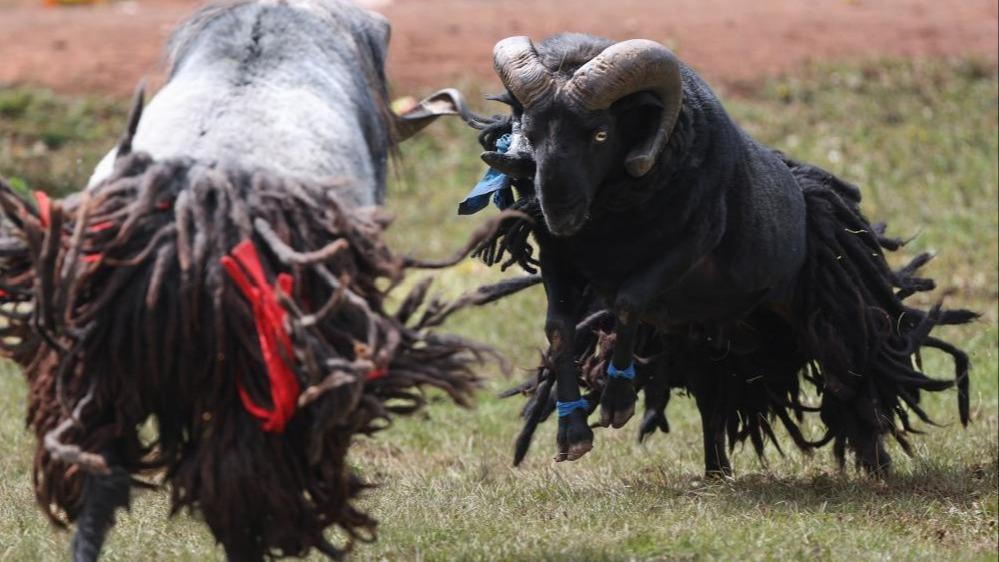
point(851, 336)
point(17, 341)
point(511, 244)
point(861, 337)
point(117, 305)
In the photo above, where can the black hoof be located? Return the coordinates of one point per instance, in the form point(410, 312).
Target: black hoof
point(873, 458)
point(617, 404)
point(718, 473)
point(575, 438)
point(653, 420)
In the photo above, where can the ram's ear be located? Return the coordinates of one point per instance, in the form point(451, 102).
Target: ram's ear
point(445, 102)
point(639, 100)
point(378, 33)
point(639, 114)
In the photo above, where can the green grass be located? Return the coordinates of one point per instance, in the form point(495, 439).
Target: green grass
point(53, 143)
point(919, 138)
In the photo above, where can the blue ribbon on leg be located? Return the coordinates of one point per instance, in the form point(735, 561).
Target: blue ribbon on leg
point(616, 373)
point(566, 408)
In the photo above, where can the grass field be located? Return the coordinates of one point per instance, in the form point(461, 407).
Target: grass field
point(919, 138)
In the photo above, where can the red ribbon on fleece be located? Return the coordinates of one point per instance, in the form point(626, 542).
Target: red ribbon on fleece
point(375, 374)
point(244, 268)
point(44, 207)
point(45, 217)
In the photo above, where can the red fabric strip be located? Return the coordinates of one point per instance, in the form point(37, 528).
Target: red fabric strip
point(98, 227)
point(44, 207)
point(244, 268)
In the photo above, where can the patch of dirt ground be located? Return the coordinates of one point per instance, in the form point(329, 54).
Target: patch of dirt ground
point(107, 48)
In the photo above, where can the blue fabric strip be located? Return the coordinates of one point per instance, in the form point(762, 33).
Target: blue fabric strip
point(494, 185)
point(628, 373)
point(566, 408)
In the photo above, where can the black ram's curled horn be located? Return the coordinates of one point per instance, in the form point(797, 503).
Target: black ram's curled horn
point(623, 69)
point(517, 64)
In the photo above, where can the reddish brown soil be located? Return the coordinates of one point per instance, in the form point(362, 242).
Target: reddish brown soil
point(107, 48)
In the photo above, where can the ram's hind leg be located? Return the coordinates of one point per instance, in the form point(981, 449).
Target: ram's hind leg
point(247, 551)
point(865, 435)
point(710, 404)
point(102, 495)
point(872, 455)
point(656, 399)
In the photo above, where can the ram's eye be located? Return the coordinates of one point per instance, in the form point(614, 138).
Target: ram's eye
point(600, 136)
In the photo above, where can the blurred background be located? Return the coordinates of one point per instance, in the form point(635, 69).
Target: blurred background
point(896, 96)
point(106, 48)
point(96, 51)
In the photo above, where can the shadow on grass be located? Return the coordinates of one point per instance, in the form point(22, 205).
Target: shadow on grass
point(961, 486)
point(596, 555)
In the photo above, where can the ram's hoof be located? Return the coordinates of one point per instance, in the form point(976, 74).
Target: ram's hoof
point(718, 473)
point(617, 404)
point(872, 456)
point(654, 419)
point(575, 438)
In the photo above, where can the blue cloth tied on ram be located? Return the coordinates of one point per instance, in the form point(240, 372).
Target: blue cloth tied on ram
point(628, 373)
point(494, 185)
point(566, 408)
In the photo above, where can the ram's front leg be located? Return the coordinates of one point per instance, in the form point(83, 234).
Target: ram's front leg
point(617, 403)
point(575, 438)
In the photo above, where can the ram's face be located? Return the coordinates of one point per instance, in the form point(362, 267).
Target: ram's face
point(584, 127)
point(574, 153)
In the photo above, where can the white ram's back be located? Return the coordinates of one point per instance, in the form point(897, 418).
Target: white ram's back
point(290, 88)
